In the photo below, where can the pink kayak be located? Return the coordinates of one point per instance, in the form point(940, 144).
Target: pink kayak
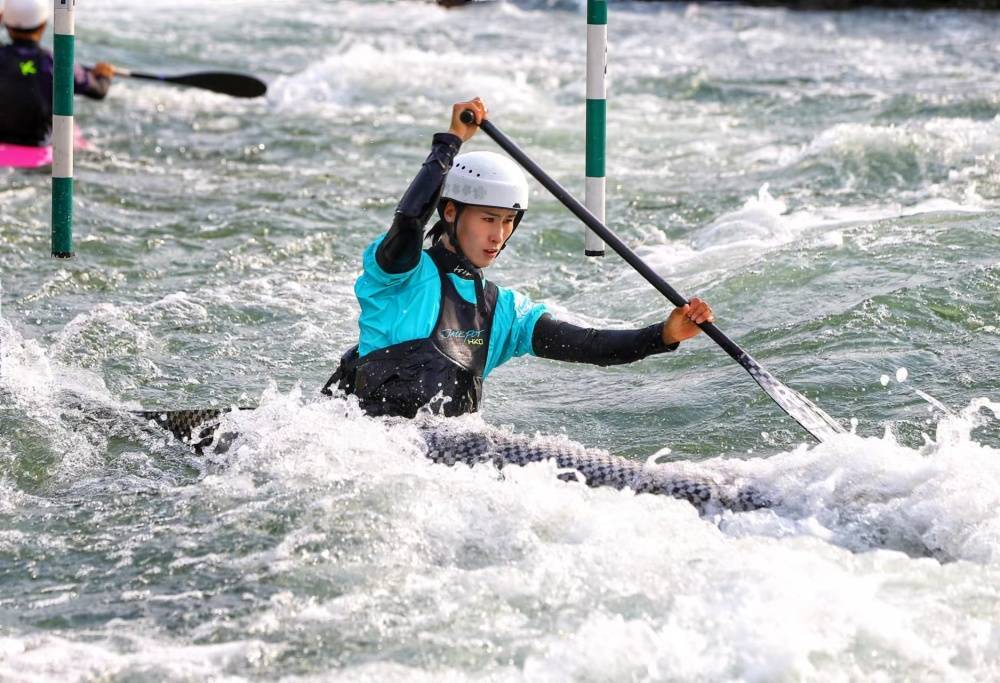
point(22, 156)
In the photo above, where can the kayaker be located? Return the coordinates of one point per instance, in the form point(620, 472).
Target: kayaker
point(432, 327)
point(26, 75)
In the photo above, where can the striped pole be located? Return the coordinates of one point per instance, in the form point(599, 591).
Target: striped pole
point(597, 107)
point(62, 129)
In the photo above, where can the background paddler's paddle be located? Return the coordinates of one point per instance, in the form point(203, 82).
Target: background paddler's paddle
point(224, 82)
point(802, 410)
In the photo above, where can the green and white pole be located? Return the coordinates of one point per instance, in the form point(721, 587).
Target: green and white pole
point(62, 128)
point(597, 108)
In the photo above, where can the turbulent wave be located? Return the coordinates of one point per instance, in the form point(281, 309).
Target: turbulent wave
point(859, 493)
point(314, 494)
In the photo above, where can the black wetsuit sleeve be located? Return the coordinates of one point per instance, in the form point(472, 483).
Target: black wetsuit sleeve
point(400, 251)
point(564, 341)
point(87, 84)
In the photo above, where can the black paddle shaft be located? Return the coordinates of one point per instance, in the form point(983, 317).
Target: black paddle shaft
point(605, 233)
point(820, 425)
point(197, 426)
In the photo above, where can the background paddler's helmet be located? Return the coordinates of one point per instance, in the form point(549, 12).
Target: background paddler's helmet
point(25, 15)
point(484, 179)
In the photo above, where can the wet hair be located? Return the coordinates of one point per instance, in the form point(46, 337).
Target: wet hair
point(437, 231)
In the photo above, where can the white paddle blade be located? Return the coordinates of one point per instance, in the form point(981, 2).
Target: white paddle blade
point(812, 418)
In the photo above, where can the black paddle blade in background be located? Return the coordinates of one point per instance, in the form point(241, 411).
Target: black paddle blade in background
point(224, 82)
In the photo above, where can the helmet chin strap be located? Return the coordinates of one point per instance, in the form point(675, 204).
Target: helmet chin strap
point(477, 273)
point(453, 232)
point(517, 219)
point(453, 240)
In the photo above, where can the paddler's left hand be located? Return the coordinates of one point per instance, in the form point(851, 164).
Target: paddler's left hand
point(683, 321)
point(467, 130)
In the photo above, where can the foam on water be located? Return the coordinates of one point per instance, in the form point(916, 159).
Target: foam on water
point(362, 73)
point(765, 224)
point(734, 238)
point(758, 224)
point(51, 658)
point(628, 581)
point(485, 570)
point(873, 493)
point(947, 141)
point(26, 373)
point(34, 389)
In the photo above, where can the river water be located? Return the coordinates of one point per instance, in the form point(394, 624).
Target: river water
point(830, 182)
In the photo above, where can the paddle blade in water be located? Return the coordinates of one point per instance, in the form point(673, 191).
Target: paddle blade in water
point(812, 418)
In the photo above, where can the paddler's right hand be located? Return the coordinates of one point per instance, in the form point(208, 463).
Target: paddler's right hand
point(683, 322)
point(466, 130)
point(103, 70)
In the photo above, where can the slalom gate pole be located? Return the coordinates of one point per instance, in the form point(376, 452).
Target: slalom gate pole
point(597, 106)
point(62, 129)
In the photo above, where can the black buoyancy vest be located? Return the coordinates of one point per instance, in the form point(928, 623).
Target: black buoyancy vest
point(443, 371)
point(25, 90)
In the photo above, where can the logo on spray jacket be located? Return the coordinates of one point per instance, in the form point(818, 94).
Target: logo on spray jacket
point(471, 337)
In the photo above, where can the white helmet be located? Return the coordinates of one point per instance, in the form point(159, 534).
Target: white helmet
point(25, 15)
point(486, 179)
